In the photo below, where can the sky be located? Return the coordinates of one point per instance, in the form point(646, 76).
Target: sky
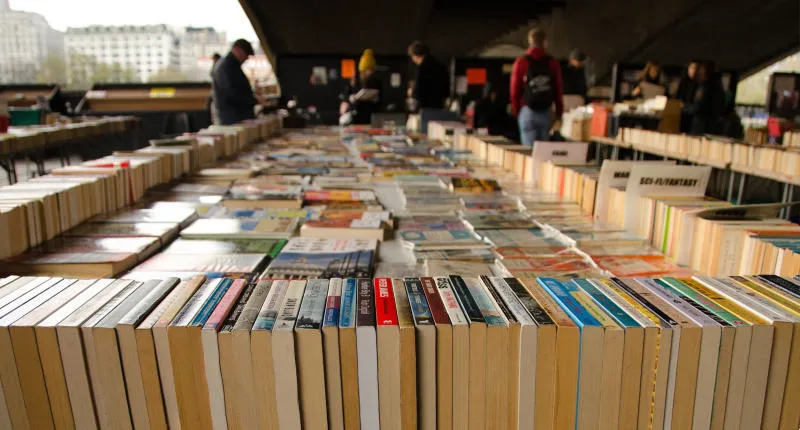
point(224, 15)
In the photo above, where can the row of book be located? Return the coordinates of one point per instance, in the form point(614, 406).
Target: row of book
point(705, 234)
point(34, 211)
point(773, 161)
point(24, 139)
point(431, 352)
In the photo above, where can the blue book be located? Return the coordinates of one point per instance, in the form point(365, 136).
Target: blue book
point(348, 307)
point(211, 303)
point(563, 295)
point(620, 316)
point(419, 303)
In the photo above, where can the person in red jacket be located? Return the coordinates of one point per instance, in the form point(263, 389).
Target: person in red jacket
point(536, 86)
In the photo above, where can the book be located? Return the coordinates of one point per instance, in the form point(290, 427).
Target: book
point(211, 351)
point(186, 353)
point(523, 341)
point(426, 353)
point(235, 355)
point(330, 338)
point(348, 347)
point(261, 350)
point(366, 343)
point(312, 196)
point(444, 353)
point(389, 350)
point(323, 258)
point(345, 229)
point(240, 228)
point(474, 185)
point(628, 404)
point(71, 344)
point(224, 263)
point(591, 350)
point(268, 247)
point(164, 230)
point(28, 391)
point(309, 350)
point(133, 354)
point(284, 358)
point(477, 352)
point(441, 239)
point(254, 194)
point(181, 216)
point(408, 357)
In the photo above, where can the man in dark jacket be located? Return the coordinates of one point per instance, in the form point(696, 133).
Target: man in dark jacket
point(431, 82)
point(233, 95)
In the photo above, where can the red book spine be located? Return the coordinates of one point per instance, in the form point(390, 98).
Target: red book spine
point(435, 303)
point(385, 308)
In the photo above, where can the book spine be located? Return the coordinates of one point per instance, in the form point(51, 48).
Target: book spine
point(225, 305)
point(609, 306)
point(366, 303)
point(347, 318)
point(509, 299)
point(158, 293)
point(699, 294)
point(497, 300)
point(269, 310)
point(313, 307)
point(664, 318)
point(762, 300)
point(535, 310)
point(291, 306)
point(211, 303)
point(333, 303)
point(782, 283)
point(238, 308)
point(419, 305)
point(468, 305)
point(491, 313)
point(434, 301)
point(385, 308)
point(450, 301)
point(697, 315)
point(567, 302)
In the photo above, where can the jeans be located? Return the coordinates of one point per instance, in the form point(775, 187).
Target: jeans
point(534, 125)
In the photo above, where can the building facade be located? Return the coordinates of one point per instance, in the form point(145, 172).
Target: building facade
point(197, 43)
point(145, 49)
point(26, 39)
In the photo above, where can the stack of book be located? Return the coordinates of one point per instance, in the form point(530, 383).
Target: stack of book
point(454, 351)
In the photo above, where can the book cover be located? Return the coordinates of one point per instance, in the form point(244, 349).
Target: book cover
point(324, 258)
point(239, 228)
point(339, 195)
point(268, 247)
point(161, 230)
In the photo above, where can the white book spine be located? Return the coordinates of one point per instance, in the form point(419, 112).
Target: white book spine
point(214, 378)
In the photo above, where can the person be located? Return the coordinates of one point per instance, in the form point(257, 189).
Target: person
point(431, 79)
point(213, 108)
point(688, 84)
point(709, 102)
point(651, 74)
point(233, 96)
point(574, 75)
point(362, 105)
point(490, 113)
point(536, 87)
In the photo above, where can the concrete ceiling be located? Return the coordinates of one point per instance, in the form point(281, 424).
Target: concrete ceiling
point(737, 34)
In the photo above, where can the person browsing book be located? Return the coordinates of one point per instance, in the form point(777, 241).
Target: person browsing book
point(362, 98)
point(649, 81)
point(233, 95)
point(536, 86)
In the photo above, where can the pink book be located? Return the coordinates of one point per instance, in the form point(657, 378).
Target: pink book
point(225, 305)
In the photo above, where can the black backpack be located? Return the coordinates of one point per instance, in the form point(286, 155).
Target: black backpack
point(540, 92)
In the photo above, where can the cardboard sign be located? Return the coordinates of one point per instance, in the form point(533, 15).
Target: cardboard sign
point(348, 69)
point(476, 76)
point(557, 152)
point(648, 180)
point(615, 174)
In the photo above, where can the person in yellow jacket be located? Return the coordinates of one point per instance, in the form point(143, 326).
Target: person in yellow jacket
point(362, 96)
